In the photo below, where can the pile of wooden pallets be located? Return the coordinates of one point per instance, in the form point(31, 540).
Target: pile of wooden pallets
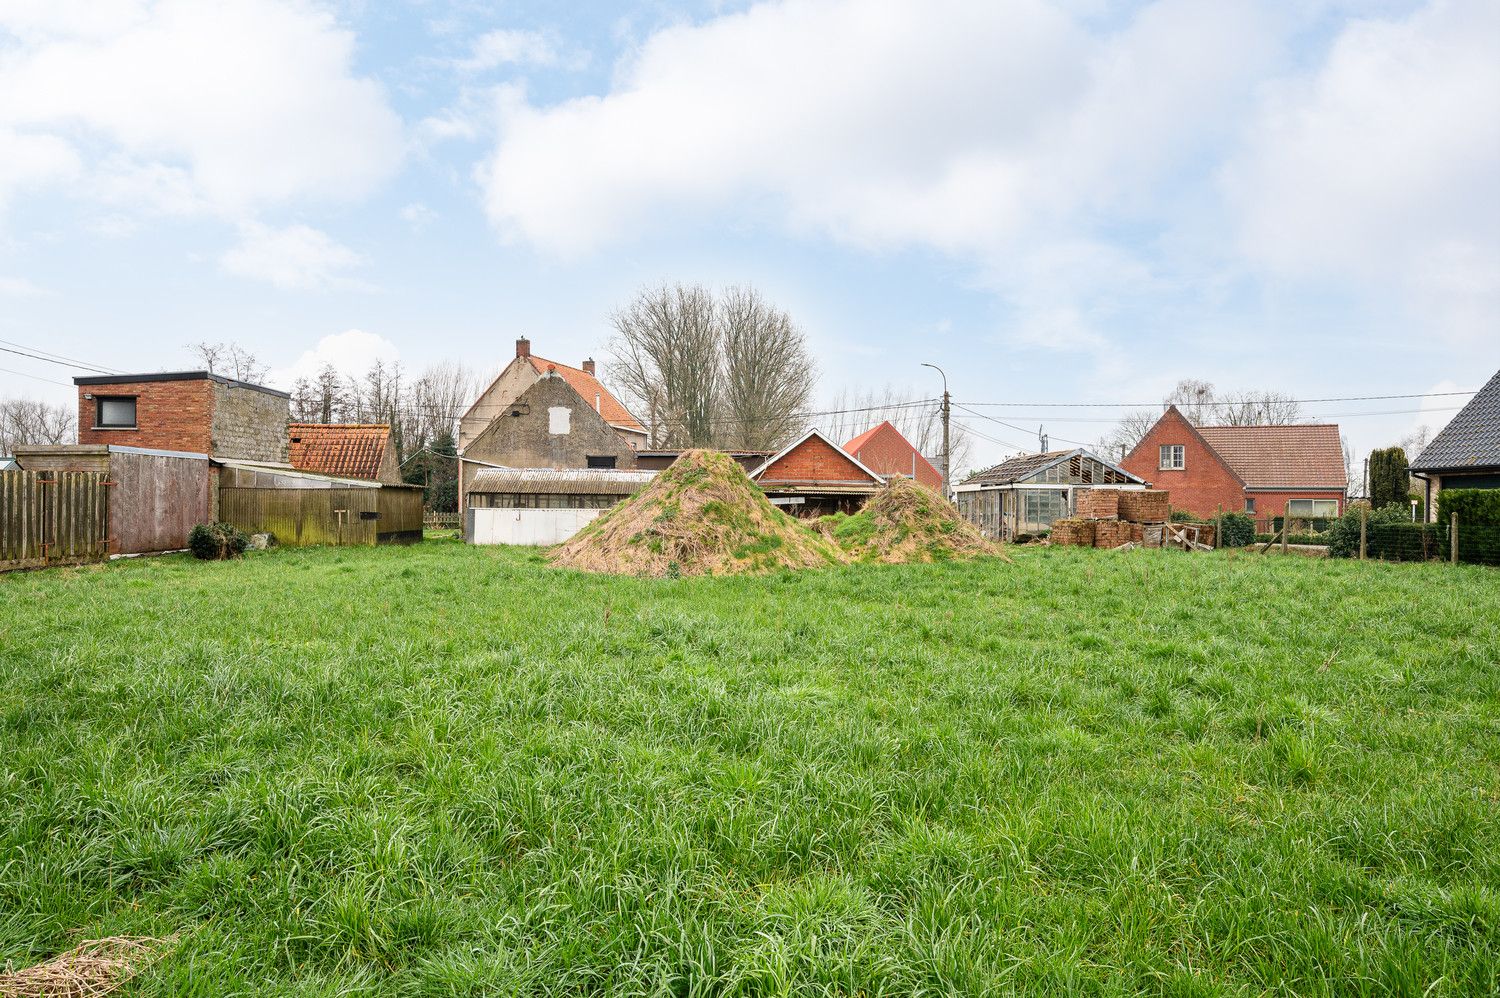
point(1112, 518)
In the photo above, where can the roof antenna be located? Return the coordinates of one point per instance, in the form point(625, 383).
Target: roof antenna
point(1041, 435)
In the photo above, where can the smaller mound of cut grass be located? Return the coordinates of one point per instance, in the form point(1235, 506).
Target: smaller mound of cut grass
point(702, 516)
point(907, 522)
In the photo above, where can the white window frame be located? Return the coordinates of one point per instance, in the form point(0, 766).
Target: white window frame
point(1171, 457)
point(1292, 513)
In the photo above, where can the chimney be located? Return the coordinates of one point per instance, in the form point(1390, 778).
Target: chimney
point(523, 347)
point(588, 366)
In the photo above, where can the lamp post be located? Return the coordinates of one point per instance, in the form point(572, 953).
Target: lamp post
point(947, 453)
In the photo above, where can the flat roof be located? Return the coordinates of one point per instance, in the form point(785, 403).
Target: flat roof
point(132, 379)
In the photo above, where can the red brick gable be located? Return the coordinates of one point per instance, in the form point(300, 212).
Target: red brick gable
point(885, 450)
point(1203, 484)
point(169, 415)
point(815, 460)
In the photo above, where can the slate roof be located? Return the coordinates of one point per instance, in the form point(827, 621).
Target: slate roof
point(1471, 439)
point(589, 387)
point(345, 450)
point(1297, 456)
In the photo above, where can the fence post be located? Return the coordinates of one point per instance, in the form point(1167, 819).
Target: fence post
point(1362, 518)
point(1286, 528)
point(1453, 539)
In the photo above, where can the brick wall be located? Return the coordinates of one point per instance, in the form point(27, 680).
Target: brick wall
point(1202, 485)
point(814, 460)
point(1274, 503)
point(169, 415)
point(249, 424)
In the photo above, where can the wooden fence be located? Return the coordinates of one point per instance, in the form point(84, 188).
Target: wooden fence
point(433, 520)
point(302, 517)
point(53, 518)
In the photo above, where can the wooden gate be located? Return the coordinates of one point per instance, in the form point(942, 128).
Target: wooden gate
point(53, 518)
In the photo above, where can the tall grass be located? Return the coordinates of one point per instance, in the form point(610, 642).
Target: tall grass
point(451, 770)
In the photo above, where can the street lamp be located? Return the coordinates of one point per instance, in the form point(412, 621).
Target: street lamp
point(947, 403)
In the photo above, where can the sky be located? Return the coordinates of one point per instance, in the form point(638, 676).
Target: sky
point(1077, 201)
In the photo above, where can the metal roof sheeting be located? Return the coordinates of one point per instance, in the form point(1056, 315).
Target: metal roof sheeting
point(566, 481)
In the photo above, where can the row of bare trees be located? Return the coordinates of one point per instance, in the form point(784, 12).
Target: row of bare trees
point(727, 370)
point(26, 421)
point(1204, 405)
point(422, 411)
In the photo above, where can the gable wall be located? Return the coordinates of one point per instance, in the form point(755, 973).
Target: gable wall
point(1202, 485)
point(890, 453)
point(518, 376)
point(813, 460)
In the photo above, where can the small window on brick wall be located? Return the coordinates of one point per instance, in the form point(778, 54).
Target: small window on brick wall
point(114, 412)
point(1173, 457)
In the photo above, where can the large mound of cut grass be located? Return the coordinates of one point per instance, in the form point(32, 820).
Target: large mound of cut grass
point(702, 516)
point(908, 522)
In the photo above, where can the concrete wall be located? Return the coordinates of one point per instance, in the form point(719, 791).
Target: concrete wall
point(549, 426)
point(518, 376)
point(526, 526)
point(249, 425)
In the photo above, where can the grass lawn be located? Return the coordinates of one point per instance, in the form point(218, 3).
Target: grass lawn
point(447, 770)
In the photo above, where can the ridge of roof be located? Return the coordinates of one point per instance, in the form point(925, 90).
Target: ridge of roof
point(1472, 437)
point(611, 409)
point(814, 432)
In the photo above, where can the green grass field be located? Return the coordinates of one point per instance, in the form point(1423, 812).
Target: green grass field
point(450, 771)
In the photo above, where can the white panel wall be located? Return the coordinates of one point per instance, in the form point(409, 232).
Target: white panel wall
point(529, 526)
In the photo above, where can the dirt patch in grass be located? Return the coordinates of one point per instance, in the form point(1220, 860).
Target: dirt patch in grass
point(96, 967)
point(702, 516)
point(907, 522)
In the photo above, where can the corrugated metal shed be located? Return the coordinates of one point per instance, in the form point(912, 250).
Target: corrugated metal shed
point(564, 482)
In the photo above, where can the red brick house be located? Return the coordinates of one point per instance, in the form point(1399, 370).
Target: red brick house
point(345, 450)
point(814, 476)
point(884, 449)
point(192, 411)
point(1266, 471)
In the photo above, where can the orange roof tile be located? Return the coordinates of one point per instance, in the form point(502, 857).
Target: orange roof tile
point(346, 450)
point(1301, 455)
point(589, 387)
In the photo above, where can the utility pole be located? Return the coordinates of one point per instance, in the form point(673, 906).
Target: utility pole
point(947, 449)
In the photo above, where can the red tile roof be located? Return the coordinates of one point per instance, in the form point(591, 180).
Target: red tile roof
point(1306, 456)
point(590, 388)
point(885, 449)
point(346, 450)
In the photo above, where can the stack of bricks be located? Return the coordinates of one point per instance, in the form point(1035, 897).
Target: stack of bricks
point(1113, 533)
point(1076, 533)
point(1145, 506)
point(1098, 504)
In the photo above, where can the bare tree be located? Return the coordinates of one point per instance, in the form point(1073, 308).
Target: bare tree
point(27, 421)
point(768, 375)
point(230, 360)
point(667, 361)
point(1203, 405)
point(853, 412)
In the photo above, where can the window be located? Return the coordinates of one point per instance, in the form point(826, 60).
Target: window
point(601, 461)
point(1249, 505)
point(114, 412)
point(1173, 457)
point(1312, 509)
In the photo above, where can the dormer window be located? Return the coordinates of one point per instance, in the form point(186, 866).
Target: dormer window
point(114, 412)
point(1173, 457)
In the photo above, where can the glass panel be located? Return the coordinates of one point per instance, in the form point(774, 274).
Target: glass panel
point(116, 412)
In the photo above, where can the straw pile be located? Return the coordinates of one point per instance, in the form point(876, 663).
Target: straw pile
point(907, 522)
point(96, 967)
point(702, 516)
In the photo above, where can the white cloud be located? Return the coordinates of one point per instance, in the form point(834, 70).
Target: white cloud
point(417, 215)
point(251, 102)
point(20, 287)
point(29, 159)
point(1380, 167)
point(516, 47)
point(352, 351)
point(960, 126)
point(294, 257)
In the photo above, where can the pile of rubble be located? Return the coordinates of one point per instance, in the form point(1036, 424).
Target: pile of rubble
point(1112, 518)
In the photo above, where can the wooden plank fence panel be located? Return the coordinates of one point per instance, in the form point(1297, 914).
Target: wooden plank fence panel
point(52, 518)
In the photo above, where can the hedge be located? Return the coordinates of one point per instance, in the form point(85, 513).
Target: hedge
point(1477, 507)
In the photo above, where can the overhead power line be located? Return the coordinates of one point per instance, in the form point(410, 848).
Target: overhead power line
point(36, 377)
point(75, 365)
point(1146, 405)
